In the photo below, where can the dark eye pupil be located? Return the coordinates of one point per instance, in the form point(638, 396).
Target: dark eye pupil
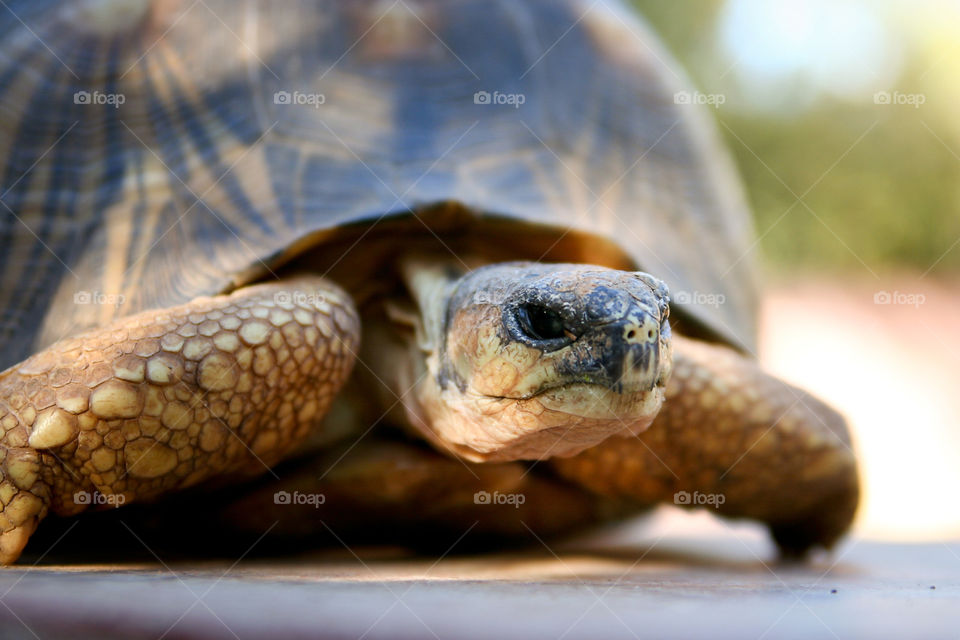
point(542, 323)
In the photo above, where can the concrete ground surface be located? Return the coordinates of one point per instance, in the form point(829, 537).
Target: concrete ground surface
point(889, 363)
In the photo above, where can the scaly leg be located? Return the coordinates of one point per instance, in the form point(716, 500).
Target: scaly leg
point(731, 434)
point(395, 492)
point(165, 399)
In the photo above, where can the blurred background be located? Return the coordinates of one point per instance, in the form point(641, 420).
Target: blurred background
point(842, 118)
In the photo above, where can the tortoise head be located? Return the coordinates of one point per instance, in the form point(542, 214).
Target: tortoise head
point(530, 360)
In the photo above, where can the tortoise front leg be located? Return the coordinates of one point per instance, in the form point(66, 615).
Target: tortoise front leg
point(165, 399)
point(733, 437)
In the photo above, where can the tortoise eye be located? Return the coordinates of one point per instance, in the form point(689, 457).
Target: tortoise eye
point(541, 323)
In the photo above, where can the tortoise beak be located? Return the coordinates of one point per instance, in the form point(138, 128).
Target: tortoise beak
point(626, 354)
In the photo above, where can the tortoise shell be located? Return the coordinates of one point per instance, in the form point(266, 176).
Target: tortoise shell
point(154, 151)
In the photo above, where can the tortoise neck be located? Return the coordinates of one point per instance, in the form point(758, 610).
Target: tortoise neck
point(430, 280)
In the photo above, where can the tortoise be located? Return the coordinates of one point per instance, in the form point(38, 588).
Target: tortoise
point(399, 243)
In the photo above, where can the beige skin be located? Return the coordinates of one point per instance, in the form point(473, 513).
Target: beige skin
point(488, 396)
point(223, 386)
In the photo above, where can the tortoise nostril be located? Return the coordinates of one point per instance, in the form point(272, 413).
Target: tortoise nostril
point(639, 333)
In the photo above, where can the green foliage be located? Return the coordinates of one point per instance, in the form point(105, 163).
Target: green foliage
point(879, 185)
point(890, 201)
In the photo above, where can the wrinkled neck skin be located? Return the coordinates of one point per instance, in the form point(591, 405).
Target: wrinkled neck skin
point(524, 361)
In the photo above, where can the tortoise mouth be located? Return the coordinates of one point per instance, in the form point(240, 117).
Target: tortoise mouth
point(598, 402)
point(618, 388)
point(558, 422)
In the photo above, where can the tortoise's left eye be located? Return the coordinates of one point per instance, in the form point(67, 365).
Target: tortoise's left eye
point(540, 323)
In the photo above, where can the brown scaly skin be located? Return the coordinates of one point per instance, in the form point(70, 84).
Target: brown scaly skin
point(166, 399)
point(424, 495)
point(775, 453)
